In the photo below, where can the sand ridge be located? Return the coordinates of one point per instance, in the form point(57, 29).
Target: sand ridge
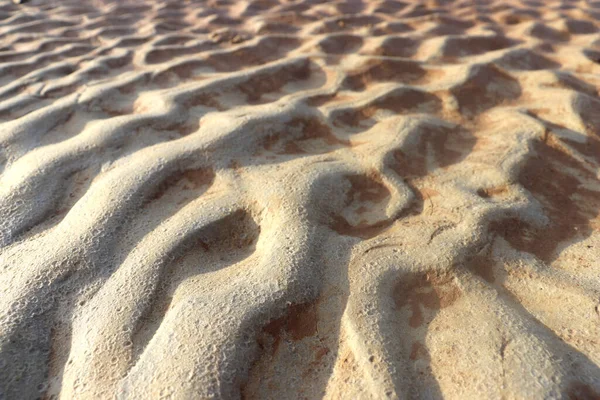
point(300, 199)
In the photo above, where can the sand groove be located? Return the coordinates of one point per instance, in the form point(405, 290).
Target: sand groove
point(300, 199)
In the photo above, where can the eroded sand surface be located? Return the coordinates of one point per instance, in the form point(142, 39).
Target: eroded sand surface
point(300, 199)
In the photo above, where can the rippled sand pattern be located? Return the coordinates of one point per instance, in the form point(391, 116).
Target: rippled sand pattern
point(282, 199)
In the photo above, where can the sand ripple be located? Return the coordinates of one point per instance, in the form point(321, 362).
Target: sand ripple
point(299, 199)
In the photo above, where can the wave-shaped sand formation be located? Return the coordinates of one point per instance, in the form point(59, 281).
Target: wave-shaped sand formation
point(300, 199)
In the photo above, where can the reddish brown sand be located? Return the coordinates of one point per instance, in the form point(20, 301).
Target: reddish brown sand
point(300, 199)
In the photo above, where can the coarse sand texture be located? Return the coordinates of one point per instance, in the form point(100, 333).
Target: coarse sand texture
point(300, 199)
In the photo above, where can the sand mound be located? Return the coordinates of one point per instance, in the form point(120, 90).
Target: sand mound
point(299, 199)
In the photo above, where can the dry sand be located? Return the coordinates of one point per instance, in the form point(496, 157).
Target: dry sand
point(287, 199)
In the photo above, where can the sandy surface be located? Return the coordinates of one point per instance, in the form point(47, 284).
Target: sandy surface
point(287, 199)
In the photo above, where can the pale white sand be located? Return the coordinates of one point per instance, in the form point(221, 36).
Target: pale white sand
point(299, 199)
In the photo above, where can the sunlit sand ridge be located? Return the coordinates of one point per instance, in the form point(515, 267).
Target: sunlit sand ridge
point(300, 199)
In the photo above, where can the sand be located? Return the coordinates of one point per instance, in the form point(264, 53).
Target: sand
point(282, 199)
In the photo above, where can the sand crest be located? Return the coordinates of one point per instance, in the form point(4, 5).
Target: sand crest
point(299, 199)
